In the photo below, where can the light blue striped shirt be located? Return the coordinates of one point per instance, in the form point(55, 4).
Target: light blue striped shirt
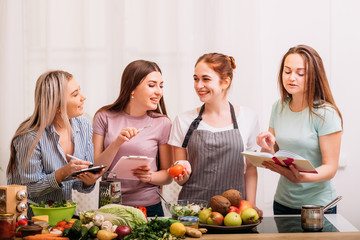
point(39, 174)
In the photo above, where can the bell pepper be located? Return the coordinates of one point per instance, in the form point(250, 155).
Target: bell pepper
point(143, 209)
point(18, 225)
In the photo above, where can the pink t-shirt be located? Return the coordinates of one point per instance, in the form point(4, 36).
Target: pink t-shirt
point(146, 143)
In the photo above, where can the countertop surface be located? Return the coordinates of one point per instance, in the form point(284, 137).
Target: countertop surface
point(289, 227)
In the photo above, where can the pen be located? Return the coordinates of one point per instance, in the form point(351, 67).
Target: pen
point(140, 129)
point(74, 157)
point(90, 166)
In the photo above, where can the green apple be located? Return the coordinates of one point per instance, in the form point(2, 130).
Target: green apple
point(204, 215)
point(232, 219)
point(249, 216)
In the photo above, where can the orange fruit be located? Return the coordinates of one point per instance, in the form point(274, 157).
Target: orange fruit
point(176, 170)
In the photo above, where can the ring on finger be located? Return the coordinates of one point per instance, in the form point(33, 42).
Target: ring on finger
point(75, 167)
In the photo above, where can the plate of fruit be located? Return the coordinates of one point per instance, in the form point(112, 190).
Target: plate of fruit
point(229, 213)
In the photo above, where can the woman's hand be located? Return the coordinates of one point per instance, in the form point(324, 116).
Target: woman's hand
point(259, 211)
point(182, 178)
point(89, 178)
point(143, 173)
point(127, 133)
point(266, 140)
point(290, 173)
point(74, 166)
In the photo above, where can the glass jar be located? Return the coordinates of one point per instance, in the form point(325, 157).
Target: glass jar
point(44, 225)
point(190, 221)
point(7, 226)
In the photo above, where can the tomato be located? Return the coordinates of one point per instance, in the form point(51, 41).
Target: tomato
point(176, 170)
point(67, 225)
point(61, 223)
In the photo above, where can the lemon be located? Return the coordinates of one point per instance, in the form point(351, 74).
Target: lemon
point(177, 229)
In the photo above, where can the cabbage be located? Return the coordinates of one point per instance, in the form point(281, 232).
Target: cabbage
point(122, 215)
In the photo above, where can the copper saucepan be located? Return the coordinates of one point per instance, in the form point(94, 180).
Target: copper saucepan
point(312, 216)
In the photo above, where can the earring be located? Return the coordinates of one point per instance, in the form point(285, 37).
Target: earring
point(132, 96)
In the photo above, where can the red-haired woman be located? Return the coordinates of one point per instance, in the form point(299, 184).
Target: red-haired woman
point(212, 137)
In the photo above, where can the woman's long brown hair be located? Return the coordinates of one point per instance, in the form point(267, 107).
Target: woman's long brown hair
point(318, 91)
point(132, 76)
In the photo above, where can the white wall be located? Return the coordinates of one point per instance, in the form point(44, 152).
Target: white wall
point(95, 40)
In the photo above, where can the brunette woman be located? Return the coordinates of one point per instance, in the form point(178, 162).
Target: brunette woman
point(116, 133)
point(305, 121)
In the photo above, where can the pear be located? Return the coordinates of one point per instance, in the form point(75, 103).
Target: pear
point(204, 215)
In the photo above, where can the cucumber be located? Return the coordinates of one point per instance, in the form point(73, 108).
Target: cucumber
point(84, 233)
point(76, 227)
point(66, 232)
point(93, 231)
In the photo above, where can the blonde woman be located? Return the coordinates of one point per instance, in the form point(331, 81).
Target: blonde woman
point(40, 145)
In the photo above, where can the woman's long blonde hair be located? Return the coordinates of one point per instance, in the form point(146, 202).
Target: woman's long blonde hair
point(50, 97)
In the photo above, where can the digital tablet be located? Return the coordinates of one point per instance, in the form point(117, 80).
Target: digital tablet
point(123, 168)
point(95, 169)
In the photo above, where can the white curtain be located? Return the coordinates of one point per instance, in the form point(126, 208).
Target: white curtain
point(95, 39)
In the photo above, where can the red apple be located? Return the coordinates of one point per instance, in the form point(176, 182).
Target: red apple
point(215, 218)
point(234, 209)
point(244, 204)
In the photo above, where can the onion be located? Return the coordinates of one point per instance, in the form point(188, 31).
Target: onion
point(122, 231)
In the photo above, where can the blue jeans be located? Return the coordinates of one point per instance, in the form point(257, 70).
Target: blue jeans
point(153, 210)
point(280, 209)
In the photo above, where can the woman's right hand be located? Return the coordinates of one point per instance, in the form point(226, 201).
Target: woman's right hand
point(127, 133)
point(266, 140)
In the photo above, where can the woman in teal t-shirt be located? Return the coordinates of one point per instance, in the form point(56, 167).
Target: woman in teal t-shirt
point(305, 121)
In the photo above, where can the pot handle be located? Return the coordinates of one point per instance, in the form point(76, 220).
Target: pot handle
point(332, 203)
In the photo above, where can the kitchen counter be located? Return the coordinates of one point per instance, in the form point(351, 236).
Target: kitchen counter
point(289, 227)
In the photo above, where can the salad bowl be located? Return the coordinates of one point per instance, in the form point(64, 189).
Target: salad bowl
point(181, 208)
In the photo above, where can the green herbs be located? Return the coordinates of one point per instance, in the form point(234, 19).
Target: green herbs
point(56, 204)
point(153, 230)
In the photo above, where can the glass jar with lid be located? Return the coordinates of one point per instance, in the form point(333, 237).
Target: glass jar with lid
point(7, 226)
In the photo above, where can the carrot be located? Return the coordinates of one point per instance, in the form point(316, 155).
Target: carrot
point(47, 236)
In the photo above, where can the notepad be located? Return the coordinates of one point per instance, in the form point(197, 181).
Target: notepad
point(126, 163)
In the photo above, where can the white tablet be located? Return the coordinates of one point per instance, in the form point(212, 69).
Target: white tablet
point(126, 163)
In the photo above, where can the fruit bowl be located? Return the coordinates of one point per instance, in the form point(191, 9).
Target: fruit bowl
point(56, 214)
point(181, 208)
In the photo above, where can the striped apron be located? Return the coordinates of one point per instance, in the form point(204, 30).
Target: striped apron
point(216, 161)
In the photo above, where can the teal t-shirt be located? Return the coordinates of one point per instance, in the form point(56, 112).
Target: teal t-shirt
point(299, 132)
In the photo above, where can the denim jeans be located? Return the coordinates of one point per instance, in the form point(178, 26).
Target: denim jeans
point(280, 209)
point(153, 210)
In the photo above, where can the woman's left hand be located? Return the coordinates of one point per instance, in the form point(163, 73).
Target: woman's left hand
point(290, 173)
point(143, 173)
point(89, 178)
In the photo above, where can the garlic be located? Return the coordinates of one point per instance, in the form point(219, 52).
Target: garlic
point(106, 225)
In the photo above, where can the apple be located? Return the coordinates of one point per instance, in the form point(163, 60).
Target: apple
point(249, 216)
point(244, 204)
point(232, 219)
point(234, 209)
point(122, 231)
point(215, 218)
point(204, 215)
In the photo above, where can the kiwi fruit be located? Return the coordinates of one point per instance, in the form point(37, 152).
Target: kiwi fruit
point(220, 204)
point(234, 196)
